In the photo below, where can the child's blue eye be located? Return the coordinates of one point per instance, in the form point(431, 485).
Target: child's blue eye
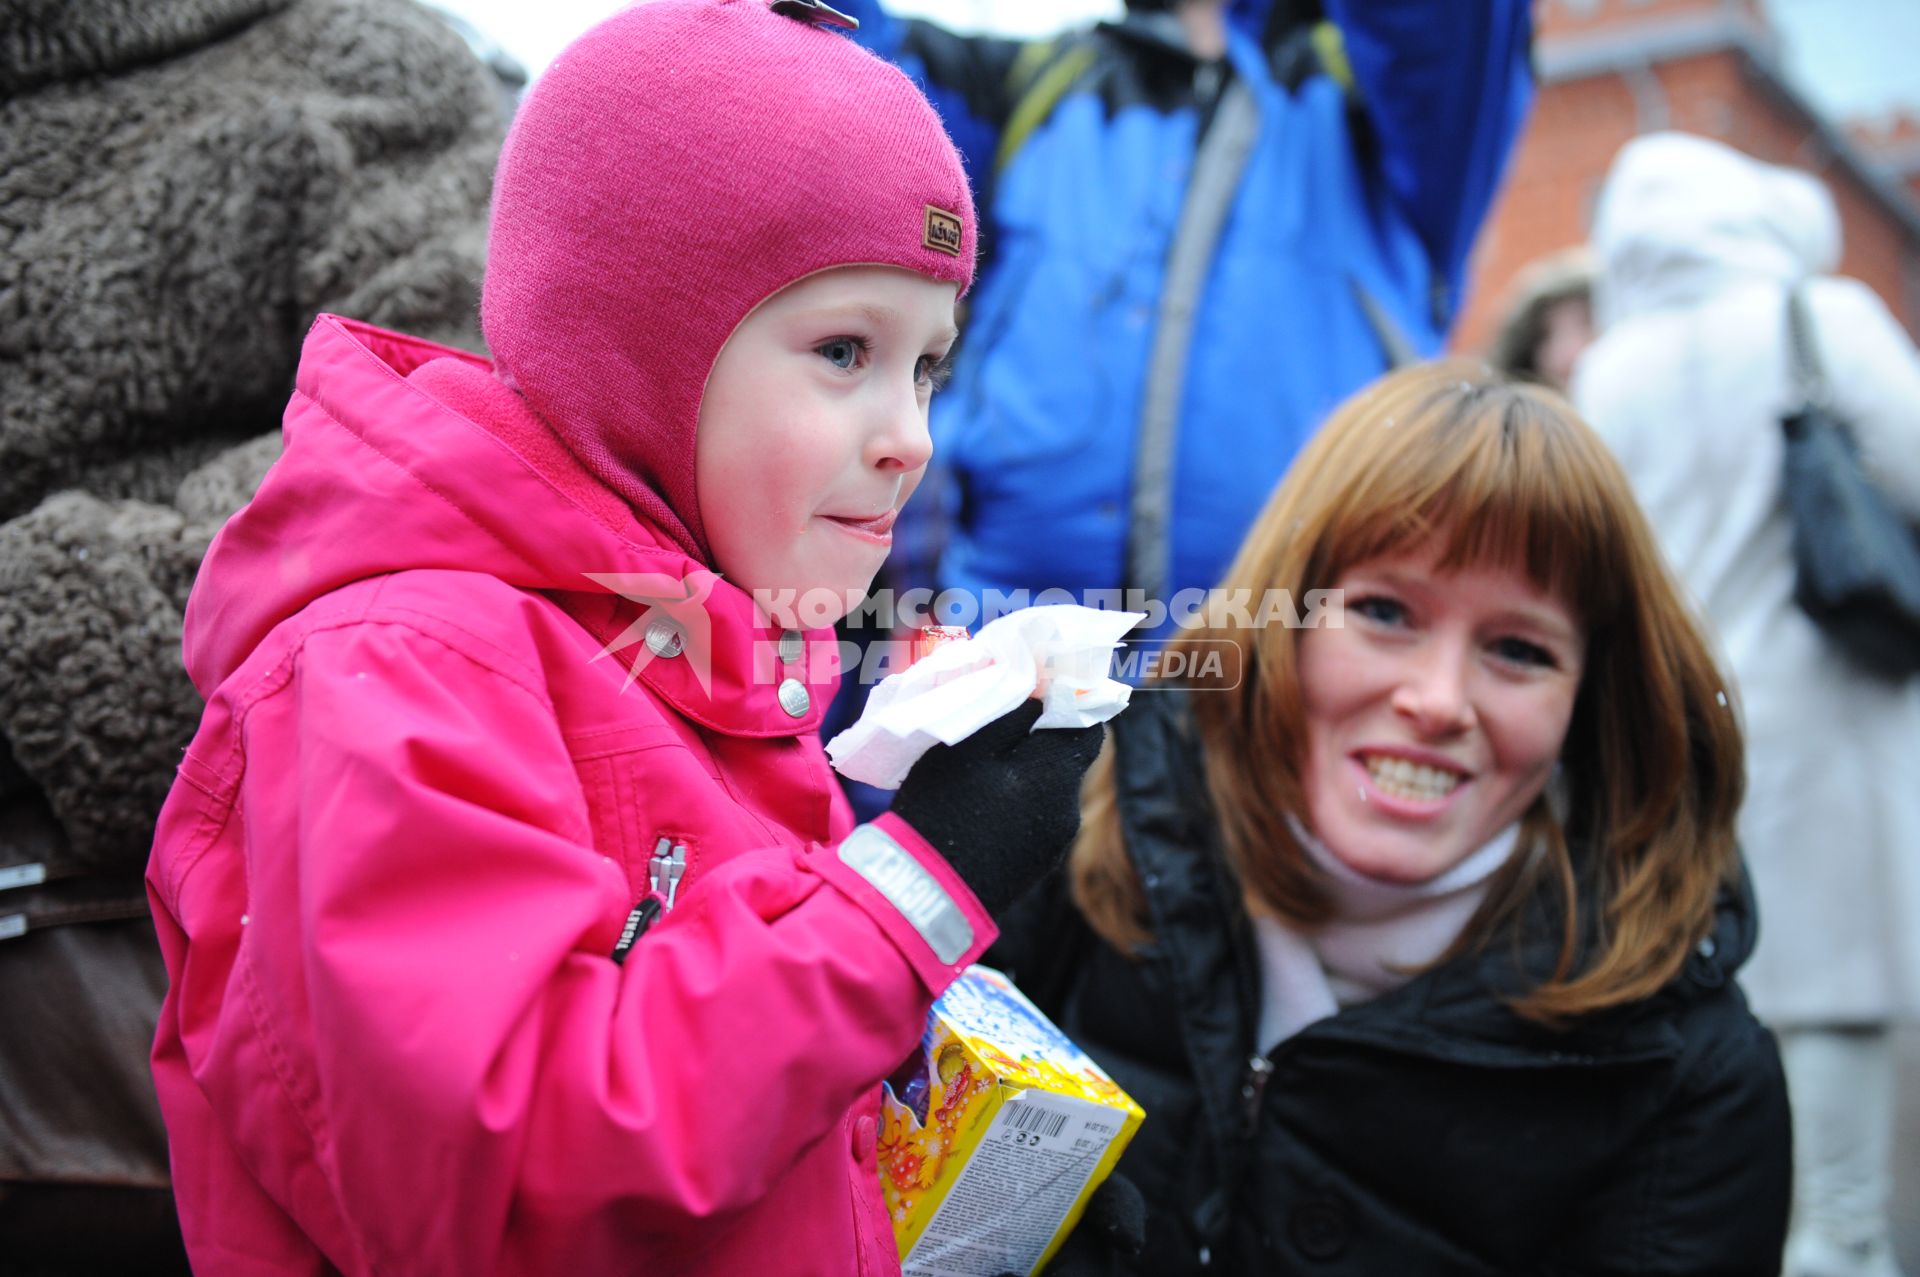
point(932, 371)
point(842, 352)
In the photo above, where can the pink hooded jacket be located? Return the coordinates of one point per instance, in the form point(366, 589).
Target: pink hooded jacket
point(405, 842)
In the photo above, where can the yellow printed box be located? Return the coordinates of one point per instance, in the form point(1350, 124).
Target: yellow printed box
point(994, 1134)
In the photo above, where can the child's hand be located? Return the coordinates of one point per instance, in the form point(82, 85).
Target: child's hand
point(1002, 805)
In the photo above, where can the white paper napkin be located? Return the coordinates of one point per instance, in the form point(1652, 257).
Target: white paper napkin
point(1061, 651)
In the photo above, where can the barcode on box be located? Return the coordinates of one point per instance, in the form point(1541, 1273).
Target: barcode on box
point(1025, 1117)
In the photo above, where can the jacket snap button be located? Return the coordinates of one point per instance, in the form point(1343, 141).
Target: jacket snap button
point(865, 1134)
point(793, 645)
point(794, 697)
point(1318, 1227)
point(664, 639)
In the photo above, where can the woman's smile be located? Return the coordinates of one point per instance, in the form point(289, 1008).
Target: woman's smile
point(1407, 784)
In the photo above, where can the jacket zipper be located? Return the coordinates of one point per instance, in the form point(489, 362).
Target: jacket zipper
point(664, 872)
point(665, 869)
point(1211, 1218)
point(1253, 1085)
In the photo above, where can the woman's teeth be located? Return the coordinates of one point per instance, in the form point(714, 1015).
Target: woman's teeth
point(1416, 782)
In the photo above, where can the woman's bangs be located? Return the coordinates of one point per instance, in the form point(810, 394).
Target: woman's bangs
point(1503, 481)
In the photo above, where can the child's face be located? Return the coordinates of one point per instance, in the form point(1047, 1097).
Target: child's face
point(813, 430)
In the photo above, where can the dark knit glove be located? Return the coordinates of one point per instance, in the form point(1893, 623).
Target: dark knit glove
point(1113, 1231)
point(1002, 805)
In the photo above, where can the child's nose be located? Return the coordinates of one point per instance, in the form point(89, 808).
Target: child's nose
point(1434, 695)
point(900, 442)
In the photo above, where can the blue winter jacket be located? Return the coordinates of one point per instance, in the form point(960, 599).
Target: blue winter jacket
point(1067, 353)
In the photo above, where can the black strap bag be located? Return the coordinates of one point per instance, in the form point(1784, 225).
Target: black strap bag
point(1856, 561)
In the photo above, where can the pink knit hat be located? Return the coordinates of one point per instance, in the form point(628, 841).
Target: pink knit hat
point(675, 167)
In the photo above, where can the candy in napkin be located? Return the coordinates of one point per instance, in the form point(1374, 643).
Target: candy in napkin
point(1062, 652)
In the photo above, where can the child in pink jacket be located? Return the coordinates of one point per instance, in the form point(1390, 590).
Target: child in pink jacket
point(513, 919)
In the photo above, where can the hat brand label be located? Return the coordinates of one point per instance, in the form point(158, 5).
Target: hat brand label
point(943, 232)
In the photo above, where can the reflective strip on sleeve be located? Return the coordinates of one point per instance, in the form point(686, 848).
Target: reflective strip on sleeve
point(22, 876)
point(910, 888)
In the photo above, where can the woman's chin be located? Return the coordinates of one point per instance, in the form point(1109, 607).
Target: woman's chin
point(1398, 866)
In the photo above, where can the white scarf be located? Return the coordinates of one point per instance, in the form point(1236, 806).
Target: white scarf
point(1380, 932)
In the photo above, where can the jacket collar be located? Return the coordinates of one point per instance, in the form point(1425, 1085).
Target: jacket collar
point(698, 643)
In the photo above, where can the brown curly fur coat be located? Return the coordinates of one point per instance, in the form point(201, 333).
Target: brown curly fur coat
point(183, 184)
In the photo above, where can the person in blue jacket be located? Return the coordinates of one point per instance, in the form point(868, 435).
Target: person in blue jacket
point(1206, 224)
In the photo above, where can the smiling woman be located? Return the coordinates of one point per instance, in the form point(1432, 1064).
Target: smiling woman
point(1436, 713)
point(1468, 849)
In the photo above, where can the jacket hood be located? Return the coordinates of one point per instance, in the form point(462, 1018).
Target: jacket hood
point(402, 454)
point(1681, 217)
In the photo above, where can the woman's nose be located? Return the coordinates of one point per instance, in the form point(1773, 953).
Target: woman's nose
point(1435, 695)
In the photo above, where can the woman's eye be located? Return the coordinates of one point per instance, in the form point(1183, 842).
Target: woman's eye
point(1520, 652)
point(841, 352)
point(932, 371)
point(1380, 610)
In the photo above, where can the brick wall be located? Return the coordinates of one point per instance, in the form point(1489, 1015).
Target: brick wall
point(1892, 141)
point(1578, 125)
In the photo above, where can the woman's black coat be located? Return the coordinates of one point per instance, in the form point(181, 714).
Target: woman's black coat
point(1429, 1131)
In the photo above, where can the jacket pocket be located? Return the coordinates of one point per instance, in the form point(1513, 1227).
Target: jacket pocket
point(644, 787)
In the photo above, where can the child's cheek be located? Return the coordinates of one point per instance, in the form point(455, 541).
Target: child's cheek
point(787, 452)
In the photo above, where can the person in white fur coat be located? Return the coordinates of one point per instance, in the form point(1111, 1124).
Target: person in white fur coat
point(1699, 245)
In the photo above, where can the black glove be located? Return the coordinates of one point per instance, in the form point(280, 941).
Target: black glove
point(1003, 805)
point(1113, 1229)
